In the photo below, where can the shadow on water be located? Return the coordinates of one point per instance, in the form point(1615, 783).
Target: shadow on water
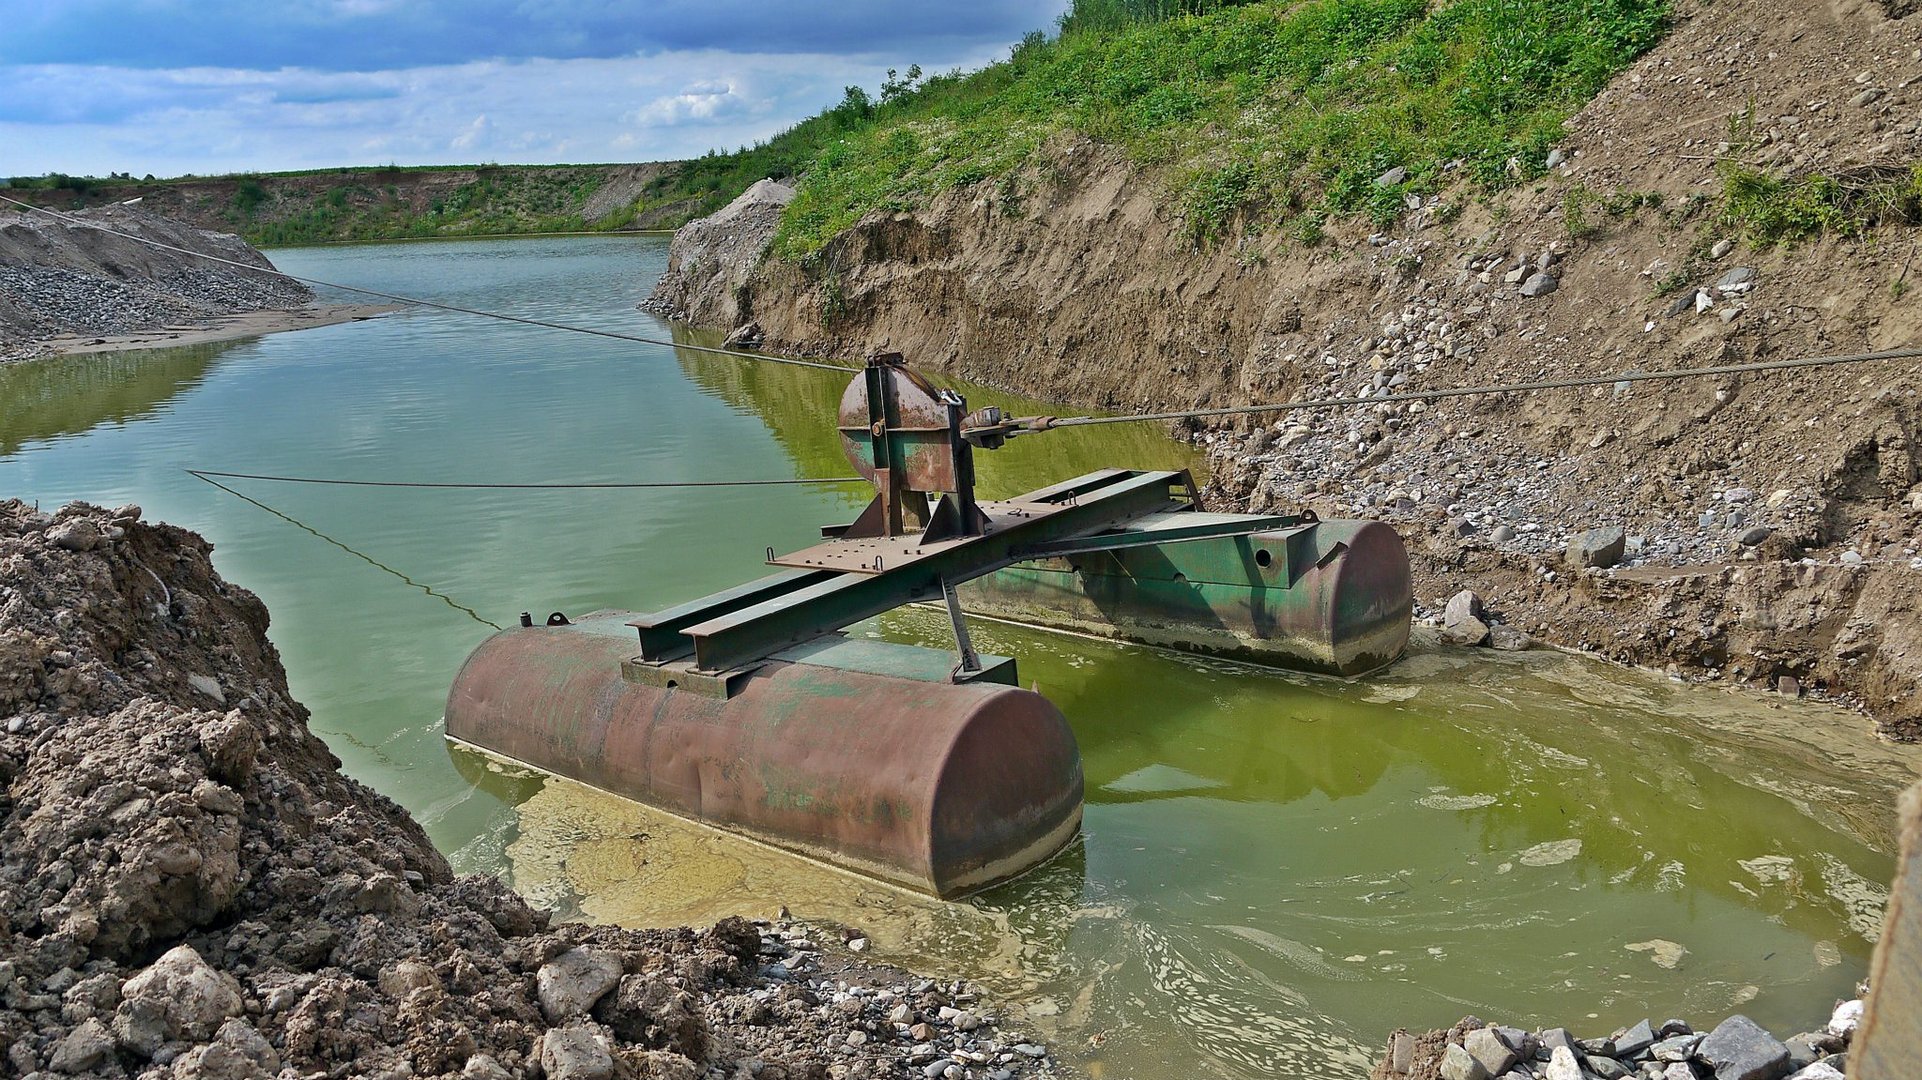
point(69, 395)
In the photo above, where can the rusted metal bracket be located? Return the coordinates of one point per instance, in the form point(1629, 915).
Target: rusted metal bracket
point(969, 667)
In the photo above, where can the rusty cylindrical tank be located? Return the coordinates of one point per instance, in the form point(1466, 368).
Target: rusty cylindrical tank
point(939, 787)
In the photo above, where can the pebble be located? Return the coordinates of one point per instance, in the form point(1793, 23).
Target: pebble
point(1540, 284)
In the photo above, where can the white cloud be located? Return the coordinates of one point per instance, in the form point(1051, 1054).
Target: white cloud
point(214, 120)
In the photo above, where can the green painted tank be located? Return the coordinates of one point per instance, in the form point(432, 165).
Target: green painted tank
point(861, 753)
point(1333, 597)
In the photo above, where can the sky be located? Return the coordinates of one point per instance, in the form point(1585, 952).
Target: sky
point(216, 86)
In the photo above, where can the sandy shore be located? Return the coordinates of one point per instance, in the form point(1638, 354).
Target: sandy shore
point(224, 328)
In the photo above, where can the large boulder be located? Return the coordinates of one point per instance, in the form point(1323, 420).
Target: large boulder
point(180, 998)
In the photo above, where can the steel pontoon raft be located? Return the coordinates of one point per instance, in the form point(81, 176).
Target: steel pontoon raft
point(750, 710)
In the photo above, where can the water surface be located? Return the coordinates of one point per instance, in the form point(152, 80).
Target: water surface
point(1274, 869)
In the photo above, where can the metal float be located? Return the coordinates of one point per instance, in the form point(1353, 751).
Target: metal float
point(751, 711)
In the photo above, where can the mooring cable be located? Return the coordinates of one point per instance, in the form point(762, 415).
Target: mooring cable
point(773, 358)
point(1498, 388)
point(207, 478)
point(203, 474)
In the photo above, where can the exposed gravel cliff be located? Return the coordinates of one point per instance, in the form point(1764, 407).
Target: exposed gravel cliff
point(1769, 522)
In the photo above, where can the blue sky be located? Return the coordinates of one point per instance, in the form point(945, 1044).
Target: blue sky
point(211, 86)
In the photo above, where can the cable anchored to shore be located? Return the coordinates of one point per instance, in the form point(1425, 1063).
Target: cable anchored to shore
point(772, 358)
point(1049, 423)
point(205, 474)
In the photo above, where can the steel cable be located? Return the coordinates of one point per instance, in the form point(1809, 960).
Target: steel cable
point(204, 474)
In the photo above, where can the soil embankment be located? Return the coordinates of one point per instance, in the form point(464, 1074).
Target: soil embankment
point(68, 287)
point(1769, 523)
point(391, 203)
point(189, 887)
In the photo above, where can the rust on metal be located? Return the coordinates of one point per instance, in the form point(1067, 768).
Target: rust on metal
point(940, 787)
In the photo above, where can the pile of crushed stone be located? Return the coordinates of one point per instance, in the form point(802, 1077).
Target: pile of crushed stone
point(189, 887)
point(59, 277)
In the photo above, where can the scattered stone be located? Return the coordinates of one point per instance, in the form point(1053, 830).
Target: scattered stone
point(1470, 632)
point(1459, 1064)
point(1555, 158)
point(1721, 249)
point(1845, 1019)
point(1737, 279)
point(1754, 535)
point(576, 1052)
point(180, 997)
point(1490, 1050)
point(1602, 547)
point(1738, 1049)
point(1540, 283)
point(1394, 176)
point(1502, 534)
point(1463, 605)
point(1507, 638)
point(1632, 1042)
point(79, 534)
point(1562, 1065)
point(83, 1050)
point(573, 982)
point(1820, 1070)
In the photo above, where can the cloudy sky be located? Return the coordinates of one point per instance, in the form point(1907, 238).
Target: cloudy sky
point(212, 86)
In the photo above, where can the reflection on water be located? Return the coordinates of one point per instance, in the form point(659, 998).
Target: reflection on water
point(1275, 870)
point(46, 399)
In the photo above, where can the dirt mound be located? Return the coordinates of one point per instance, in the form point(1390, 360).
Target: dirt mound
point(190, 888)
point(710, 261)
point(1076, 281)
point(61, 277)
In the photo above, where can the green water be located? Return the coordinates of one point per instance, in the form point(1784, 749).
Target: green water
point(1274, 870)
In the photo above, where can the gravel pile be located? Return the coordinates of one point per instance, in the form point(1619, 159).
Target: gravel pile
point(189, 887)
point(1736, 1049)
point(62, 278)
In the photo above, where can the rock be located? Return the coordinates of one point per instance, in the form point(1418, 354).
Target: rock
point(1675, 1048)
point(576, 1052)
point(1754, 535)
point(83, 1049)
point(79, 534)
point(649, 1010)
point(1737, 279)
point(1845, 1019)
point(237, 1053)
point(1507, 638)
point(1703, 301)
point(484, 1067)
point(1463, 605)
point(1562, 1065)
point(1598, 547)
point(1607, 1067)
point(1631, 1043)
point(1866, 97)
point(209, 686)
point(1721, 248)
point(1394, 176)
point(1555, 157)
point(1540, 283)
point(1470, 632)
point(571, 983)
point(1852, 557)
point(1502, 534)
point(1490, 1050)
point(180, 997)
point(1459, 1064)
point(1738, 1049)
point(1820, 1070)
point(1788, 686)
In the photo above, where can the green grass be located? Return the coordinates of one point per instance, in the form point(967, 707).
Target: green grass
point(1769, 209)
point(1261, 115)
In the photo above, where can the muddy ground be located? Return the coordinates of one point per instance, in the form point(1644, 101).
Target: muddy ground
point(189, 887)
point(1770, 522)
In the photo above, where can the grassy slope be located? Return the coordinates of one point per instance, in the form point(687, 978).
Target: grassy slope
point(1262, 114)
